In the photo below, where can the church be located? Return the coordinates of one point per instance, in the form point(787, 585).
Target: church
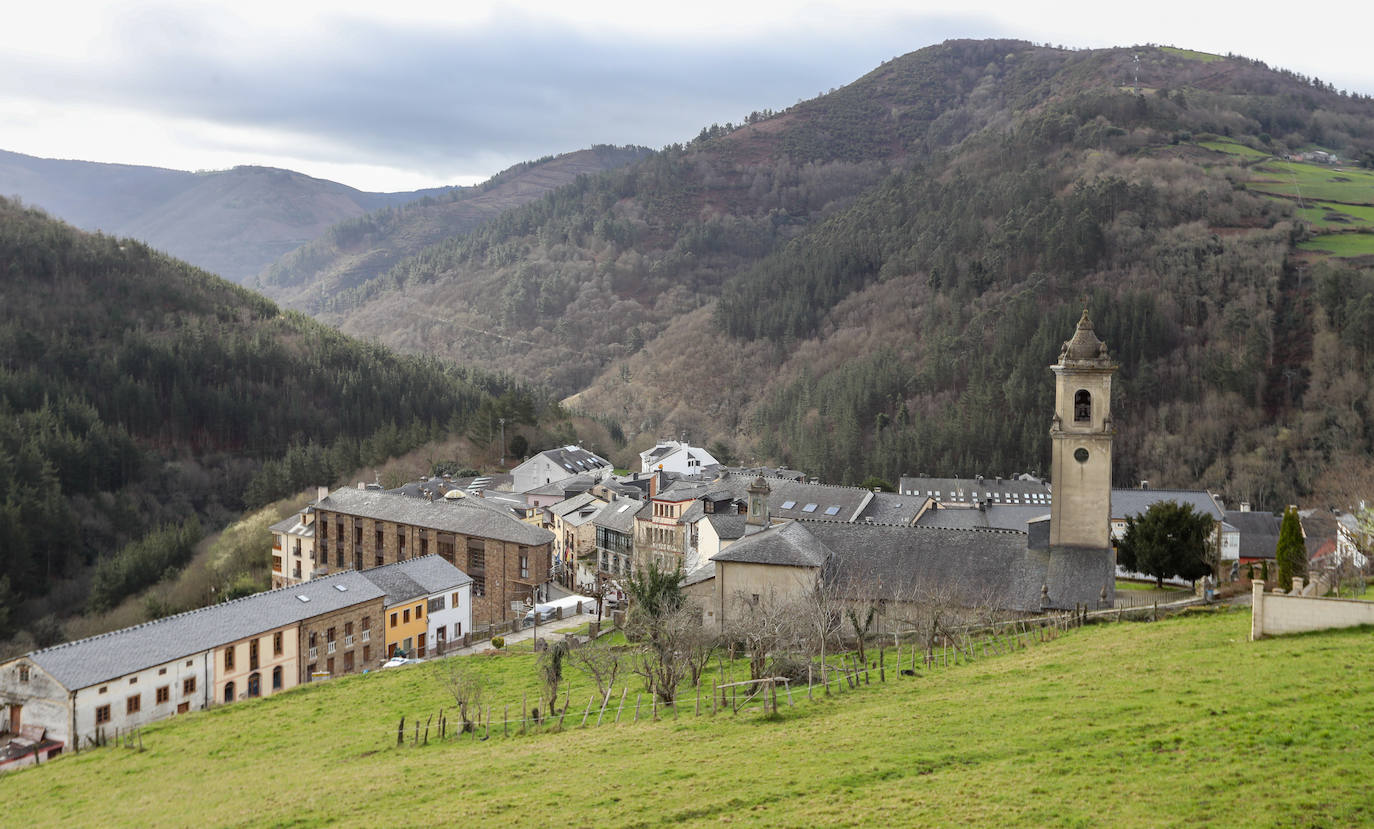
point(1061, 560)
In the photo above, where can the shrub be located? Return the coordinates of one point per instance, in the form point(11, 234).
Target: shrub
point(498, 642)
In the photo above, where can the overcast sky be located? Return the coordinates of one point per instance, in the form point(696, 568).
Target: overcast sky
point(397, 96)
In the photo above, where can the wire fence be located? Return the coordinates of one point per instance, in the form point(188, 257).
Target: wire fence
point(839, 675)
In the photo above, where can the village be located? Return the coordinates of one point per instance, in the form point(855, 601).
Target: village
point(365, 577)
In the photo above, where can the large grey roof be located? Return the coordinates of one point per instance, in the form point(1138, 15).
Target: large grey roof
point(410, 579)
point(620, 515)
point(789, 544)
point(994, 516)
point(108, 656)
point(292, 524)
point(1128, 502)
point(972, 490)
point(575, 459)
point(973, 567)
point(468, 516)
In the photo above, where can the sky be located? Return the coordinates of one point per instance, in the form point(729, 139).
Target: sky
point(390, 96)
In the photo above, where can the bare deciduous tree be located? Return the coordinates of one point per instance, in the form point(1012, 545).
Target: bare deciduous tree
point(464, 684)
point(600, 662)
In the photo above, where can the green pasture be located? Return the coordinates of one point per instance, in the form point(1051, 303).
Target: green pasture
point(1234, 148)
point(1341, 245)
point(1122, 584)
point(1178, 722)
point(1331, 216)
point(1205, 57)
point(1314, 181)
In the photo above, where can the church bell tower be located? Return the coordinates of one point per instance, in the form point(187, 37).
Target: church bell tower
point(1081, 442)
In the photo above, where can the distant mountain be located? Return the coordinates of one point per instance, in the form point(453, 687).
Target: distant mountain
point(359, 249)
point(874, 281)
point(231, 222)
point(136, 390)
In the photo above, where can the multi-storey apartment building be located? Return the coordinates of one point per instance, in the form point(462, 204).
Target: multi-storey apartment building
point(508, 559)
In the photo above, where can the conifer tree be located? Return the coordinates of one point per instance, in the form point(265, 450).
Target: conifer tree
point(1291, 554)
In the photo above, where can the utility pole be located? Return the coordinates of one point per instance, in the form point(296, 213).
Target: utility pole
point(502, 421)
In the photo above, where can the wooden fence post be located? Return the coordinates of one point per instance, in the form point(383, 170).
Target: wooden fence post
point(588, 712)
point(623, 692)
point(638, 697)
point(400, 731)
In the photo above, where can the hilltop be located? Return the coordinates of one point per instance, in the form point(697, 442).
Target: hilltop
point(354, 251)
point(873, 281)
point(1122, 724)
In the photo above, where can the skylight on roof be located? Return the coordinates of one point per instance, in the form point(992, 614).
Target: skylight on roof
point(809, 508)
point(832, 510)
point(303, 597)
point(341, 588)
point(788, 504)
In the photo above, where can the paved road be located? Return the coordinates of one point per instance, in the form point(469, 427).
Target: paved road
point(546, 629)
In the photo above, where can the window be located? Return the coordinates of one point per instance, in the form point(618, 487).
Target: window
point(188, 686)
point(367, 653)
point(788, 504)
point(102, 715)
point(133, 704)
point(329, 635)
point(229, 692)
point(419, 611)
point(524, 567)
point(477, 554)
point(23, 673)
point(832, 510)
point(809, 508)
point(479, 586)
point(348, 662)
point(424, 546)
point(133, 680)
point(457, 630)
point(161, 671)
point(254, 685)
point(330, 646)
point(329, 665)
point(229, 658)
point(164, 694)
point(367, 628)
point(276, 644)
point(380, 544)
point(276, 678)
point(1082, 406)
point(253, 655)
point(393, 618)
point(405, 615)
point(436, 603)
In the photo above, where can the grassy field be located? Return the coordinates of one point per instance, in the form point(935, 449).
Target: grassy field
point(1179, 722)
point(1233, 148)
point(1314, 182)
point(1341, 245)
point(1205, 57)
point(1331, 216)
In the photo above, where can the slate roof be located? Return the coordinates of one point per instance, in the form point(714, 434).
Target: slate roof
point(416, 577)
point(575, 483)
point(620, 515)
point(469, 516)
point(790, 544)
point(1128, 502)
point(975, 566)
point(972, 490)
point(703, 573)
point(994, 516)
point(728, 526)
point(892, 508)
point(575, 459)
point(1259, 532)
point(573, 504)
point(292, 524)
point(108, 656)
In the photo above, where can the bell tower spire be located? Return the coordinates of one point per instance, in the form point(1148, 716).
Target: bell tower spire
point(1081, 442)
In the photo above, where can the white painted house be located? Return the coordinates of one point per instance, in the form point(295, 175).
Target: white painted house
point(676, 456)
point(446, 590)
point(553, 465)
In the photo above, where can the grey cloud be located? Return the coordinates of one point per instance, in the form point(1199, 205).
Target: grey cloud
point(427, 100)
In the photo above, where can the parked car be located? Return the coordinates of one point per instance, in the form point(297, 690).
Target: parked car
point(398, 661)
point(546, 612)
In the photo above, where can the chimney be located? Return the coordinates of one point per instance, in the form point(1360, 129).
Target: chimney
point(653, 485)
point(321, 493)
point(1244, 506)
point(362, 485)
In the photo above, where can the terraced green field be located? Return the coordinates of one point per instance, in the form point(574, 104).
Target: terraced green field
point(1314, 181)
point(1233, 148)
point(1331, 216)
point(1341, 245)
point(1179, 722)
point(1190, 54)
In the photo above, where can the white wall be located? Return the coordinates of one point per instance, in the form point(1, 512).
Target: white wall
point(148, 681)
point(1274, 614)
point(451, 615)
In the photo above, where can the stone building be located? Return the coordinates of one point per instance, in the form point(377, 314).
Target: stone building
point(508, 559)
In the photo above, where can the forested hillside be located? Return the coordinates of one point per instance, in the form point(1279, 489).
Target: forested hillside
point(231, 222)
point(359, 249)
point(876, 280)
point(138, 392)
